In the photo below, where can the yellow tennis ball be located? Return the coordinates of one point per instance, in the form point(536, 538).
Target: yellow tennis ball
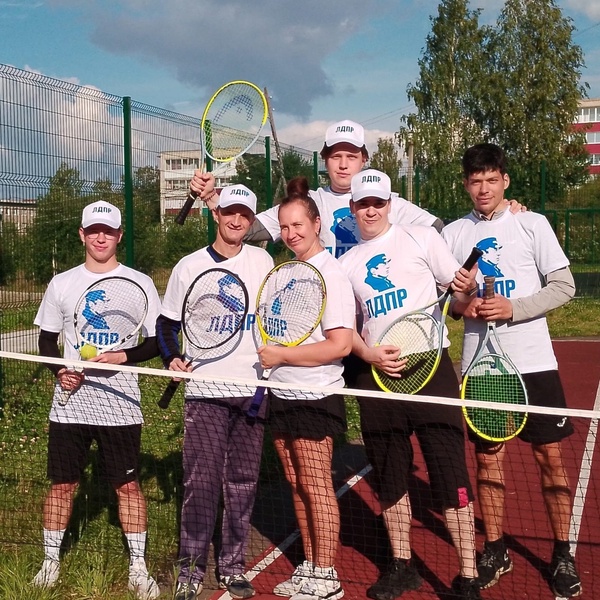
point(86, 351)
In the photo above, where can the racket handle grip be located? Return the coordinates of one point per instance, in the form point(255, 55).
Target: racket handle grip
point(475, 255)
point(257, 400)
point(488, 283)
point(185, 209)
point(168, 394)
point(63, 397)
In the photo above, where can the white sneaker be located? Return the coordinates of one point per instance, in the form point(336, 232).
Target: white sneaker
point(323, 584)
point(292, 585)
point(47, 576)
point(142, 584)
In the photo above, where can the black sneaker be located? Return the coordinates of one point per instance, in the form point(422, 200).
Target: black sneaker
point(187, 591)
point(399, 578)
point(237, 586)
point(491, 566)
point(466, 588)
point(564, 579)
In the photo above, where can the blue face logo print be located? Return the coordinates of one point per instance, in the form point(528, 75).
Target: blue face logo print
point(488, 263)
point(228, 287)
point(90, 311)
point(344, 227)
point(377, 273)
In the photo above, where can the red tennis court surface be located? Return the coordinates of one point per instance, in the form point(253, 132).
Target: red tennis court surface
point(364, 547)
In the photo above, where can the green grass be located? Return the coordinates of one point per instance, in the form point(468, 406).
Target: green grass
point(95, 561)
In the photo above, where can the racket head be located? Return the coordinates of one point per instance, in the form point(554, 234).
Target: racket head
point(493, 377)
point(419, 335)
point(214, 309)
point(232, 120)
point(109, 313)
point(290, 303)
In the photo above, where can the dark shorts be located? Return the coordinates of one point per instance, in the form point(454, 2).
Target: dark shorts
point(543, 389)
point(388, 424)
point(69, 447)
point(308, 419)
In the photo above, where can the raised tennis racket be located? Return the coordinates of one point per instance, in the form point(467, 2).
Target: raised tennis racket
point(420, 337)
point(231, 123)
point(289, 307)
point(493, 377)
point(108, 314)
point(214, 311)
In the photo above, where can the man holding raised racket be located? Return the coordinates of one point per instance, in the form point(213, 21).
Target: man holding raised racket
point(416, 260)
point(222, 447)
point(95, 405)
point(532, 277)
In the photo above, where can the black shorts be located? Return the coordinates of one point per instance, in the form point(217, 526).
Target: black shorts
point(308, 419)
point(543, 389)
point(118, 451)
point(439, 430)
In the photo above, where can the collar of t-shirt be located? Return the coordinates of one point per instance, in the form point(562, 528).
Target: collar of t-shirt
point(215, 255)
point(495, 215)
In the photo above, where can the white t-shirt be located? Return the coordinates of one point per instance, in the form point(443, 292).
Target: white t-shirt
point(396, 273)
point(339, 312)
point(518, 249)
point(237, 358)
point(106, 397)
point(339, 231)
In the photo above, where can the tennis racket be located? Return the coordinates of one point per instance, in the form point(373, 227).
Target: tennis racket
point(108, 314)
point(493, 377)
point(289, 307)
point(231, 123)
point(214, 311)
point(420, 338)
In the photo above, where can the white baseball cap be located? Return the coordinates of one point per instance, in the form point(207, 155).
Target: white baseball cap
point(237, 194)
point(345, 131)
point(101, 213)
point(370, 184)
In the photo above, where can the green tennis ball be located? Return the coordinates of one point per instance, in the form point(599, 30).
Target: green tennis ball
point(86, 351)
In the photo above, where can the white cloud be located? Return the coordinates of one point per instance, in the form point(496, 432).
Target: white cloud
point(590, 8)
point(280, 44)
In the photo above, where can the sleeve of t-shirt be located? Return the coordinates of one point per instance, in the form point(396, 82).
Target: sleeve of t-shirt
point(50, 315)
point(173, 300)
point(270, 221)
point(439, 257)
point(549, 256)
point(340, 309)
point(404, 212)
point(149, 327)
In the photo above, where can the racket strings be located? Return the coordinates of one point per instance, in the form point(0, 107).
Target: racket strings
point(418, 338)
point(110, 311)
point(495, 379)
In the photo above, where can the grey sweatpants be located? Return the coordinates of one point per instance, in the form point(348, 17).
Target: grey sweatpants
point(221, 454)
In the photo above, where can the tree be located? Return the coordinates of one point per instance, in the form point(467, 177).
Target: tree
point(447, 96)
point(54, 233)
point(387, 160)
point(535, 70)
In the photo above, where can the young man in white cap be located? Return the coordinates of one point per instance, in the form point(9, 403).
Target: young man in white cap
point(408, 262)
point(101, 408)
point(345, 154)
point(222, 447)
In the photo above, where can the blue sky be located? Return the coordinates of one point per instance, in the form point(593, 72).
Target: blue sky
point(321, 61)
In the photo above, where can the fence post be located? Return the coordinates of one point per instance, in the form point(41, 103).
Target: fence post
point(128, 182)
point(417, 187)
point(315, 170)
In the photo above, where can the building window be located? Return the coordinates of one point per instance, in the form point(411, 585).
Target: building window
point(589, 114)
point(592, 137)
point(595, 159)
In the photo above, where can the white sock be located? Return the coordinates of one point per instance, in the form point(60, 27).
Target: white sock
point(52, 542)
point(137, 547)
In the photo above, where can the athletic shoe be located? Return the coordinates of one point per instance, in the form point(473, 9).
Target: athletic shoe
point(237, 586)
point(323, 584)
point(564, 579)
point(47, 576)
point(466, 588)
point(142, 584)
point(492, 565)
point(187, 591)
point(292, 585)
point(399, 578)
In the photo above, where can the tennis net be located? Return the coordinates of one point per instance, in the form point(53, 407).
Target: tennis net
point(94, 542)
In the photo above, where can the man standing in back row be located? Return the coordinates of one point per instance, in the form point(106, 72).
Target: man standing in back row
point(532, 277)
